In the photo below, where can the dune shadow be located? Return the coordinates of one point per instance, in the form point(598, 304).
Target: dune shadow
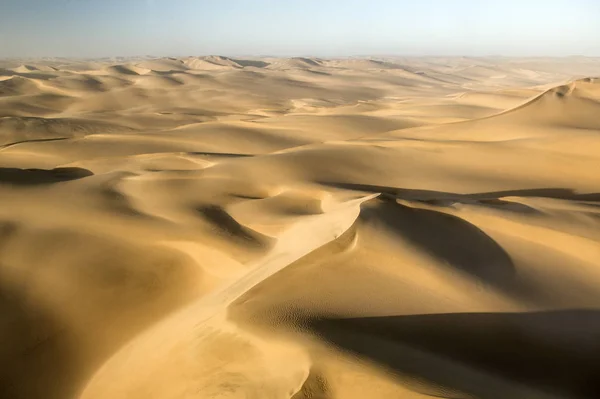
point(225, 225)
point(433, 196)
point(554, 352)
point(8, 145)
point(250, 63)
point(32, 177)
point(452, 241)
point(314, 72)
point(30, 75)
point(220, 154)
point(122, 69)
point(37, 359)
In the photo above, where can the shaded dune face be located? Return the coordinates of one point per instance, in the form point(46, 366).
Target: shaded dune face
point(69, 299)
point(215, 227)
point(554, 352)
point(25, 177)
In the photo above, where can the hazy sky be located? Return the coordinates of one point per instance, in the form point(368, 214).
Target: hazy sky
point(88, 28)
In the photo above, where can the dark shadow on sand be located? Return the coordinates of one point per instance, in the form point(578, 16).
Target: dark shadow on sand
point(32, 177)
point(37, 358)
point(433, 196)
point(462, 247)
point(224, 224)
point(452, 241)
point(220, 154)
point(556, 352)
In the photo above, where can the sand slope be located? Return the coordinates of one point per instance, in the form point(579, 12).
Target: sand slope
point(214, 227)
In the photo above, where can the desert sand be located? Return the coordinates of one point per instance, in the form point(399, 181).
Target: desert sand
point(211, 227)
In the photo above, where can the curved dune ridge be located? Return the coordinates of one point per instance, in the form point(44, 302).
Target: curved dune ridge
point(303, 228)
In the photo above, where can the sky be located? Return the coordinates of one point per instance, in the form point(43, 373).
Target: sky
point(99, 28)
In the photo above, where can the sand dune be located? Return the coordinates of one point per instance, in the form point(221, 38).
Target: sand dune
point(295, 63)
point(303, 228)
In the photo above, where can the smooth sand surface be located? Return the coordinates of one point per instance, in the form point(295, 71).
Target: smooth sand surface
point(211, 227)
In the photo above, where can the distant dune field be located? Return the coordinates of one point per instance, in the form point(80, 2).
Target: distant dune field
point(301, 228)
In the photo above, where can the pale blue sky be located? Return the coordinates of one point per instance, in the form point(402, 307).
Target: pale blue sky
point(90, 28)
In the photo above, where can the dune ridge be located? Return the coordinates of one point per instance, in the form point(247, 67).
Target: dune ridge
point(299, 228)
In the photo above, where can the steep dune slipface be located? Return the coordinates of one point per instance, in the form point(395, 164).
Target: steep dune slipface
point(301, 228)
